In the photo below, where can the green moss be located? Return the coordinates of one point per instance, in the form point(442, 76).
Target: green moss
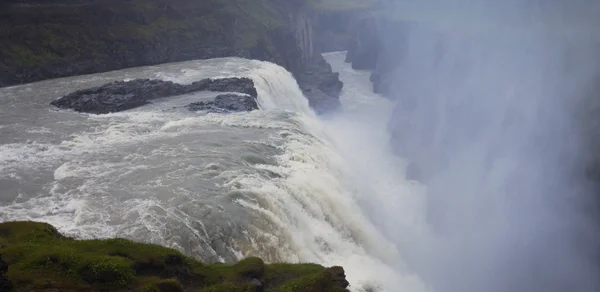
point(39, 258)
point(260, 12)
point(23, 56)
point(312, 283)
point(162, 285)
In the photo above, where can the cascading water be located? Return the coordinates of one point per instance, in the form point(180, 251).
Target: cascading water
point(284, 185)
point(487, 95)
point(268, 183)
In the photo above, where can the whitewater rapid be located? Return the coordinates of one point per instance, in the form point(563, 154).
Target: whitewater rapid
point(279, 183)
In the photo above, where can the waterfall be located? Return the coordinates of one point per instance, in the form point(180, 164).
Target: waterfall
point(487, 115)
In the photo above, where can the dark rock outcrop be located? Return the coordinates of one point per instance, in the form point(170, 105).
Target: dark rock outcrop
point(123, 95)
point(226, 103)
point(118, 96)
point(241, 85)
point(338, 276)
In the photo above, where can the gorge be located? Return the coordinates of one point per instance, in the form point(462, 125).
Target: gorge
point(397, 145)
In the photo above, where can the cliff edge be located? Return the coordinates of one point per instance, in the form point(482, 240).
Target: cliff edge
point(36, 257)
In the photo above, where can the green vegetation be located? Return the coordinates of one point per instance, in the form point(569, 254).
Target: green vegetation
point(40, 258)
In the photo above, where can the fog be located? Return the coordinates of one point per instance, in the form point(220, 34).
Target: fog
point(488, 101)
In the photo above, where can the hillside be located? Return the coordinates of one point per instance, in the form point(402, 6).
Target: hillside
point(43, 39)
point(35, 257)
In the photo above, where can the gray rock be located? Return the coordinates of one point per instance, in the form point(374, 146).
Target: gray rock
point(226, 103)
point(241, 85)
point(119, 96)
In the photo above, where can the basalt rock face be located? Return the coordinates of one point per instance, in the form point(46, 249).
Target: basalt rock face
point(123, 95)
point(44, 39)
point(321, 85)
point(364, 49)
point(379, 45)
point(335, 30)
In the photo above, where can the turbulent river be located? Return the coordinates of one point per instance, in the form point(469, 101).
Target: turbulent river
point(279, 183)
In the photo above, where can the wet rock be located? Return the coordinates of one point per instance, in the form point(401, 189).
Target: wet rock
point(118, 96)
point(234, 102)
point(226, 103)
point(123, 95)
point(321, 102)
point(241, 85)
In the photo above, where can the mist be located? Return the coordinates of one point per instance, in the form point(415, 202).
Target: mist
point(488, 102)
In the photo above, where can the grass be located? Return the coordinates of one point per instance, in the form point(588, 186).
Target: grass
point(40, 258)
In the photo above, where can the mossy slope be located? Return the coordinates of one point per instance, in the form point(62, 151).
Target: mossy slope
point(43, 39)
point(40, 259)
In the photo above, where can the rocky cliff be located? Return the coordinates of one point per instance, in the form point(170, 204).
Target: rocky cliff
point(41, 39)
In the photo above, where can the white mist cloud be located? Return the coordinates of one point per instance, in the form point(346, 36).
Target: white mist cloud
point(494, 87)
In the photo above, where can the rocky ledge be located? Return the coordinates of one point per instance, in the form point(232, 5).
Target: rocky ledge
point(226, 103)
point(123, 95)
point(36, 257)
